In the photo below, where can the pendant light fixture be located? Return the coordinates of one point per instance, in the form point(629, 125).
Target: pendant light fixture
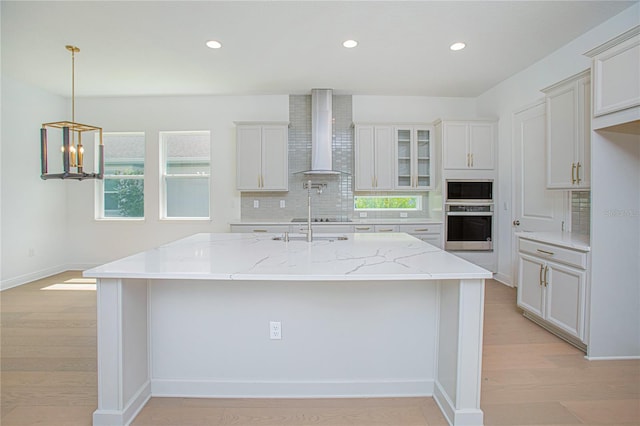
point(72, 148)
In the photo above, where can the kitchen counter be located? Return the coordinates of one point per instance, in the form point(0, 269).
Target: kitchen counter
point(561, 239)
point(372, 315)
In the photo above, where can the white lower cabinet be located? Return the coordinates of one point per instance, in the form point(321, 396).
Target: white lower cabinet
point(430, 233)
point(552, 288)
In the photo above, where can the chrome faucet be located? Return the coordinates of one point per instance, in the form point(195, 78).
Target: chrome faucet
point(308, 186)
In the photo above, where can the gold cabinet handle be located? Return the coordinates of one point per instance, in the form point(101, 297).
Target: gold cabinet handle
point(471, 160)
point(362, 228)
point(373, 181)
point(550, 253)
point(421, 230)
point(468, 162)
point(259, 230)
point(258, 181)
point(578, 173)
point(546, 273)
point(540, 279)
point(573, 173)
point(386, 230)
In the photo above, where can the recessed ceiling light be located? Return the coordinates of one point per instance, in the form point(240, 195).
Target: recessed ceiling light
point(349, 44)
point(457, 46)
point(213, 44)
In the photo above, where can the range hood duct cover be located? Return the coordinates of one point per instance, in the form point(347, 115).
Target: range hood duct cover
point(321, 133)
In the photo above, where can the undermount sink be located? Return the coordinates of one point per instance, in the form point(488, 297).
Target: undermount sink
point(316, 237)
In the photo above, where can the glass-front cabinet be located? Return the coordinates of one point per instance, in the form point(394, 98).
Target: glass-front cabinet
point(413, 158)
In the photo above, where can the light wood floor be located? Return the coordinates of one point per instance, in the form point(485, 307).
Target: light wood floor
point(530, 377)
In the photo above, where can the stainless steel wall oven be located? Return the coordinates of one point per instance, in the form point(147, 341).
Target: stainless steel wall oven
point(469, 215)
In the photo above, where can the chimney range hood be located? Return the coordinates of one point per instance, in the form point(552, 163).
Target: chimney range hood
point(321, 133)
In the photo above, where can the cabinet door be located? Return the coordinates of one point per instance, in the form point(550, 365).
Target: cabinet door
point(565, 298)
point(249, 158)
point(364, 158)
point(583, 171)
point(616, 84)
point(384, 170)
point(481, 146)
point(404, 158)
point(275, 166)
point(561, 137)
point(530, 288)
point(422, 163)
point(454, 146)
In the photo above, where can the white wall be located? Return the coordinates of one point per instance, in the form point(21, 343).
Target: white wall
point(410, 109)
point(105, 240)
point(524, 88)
point(34, 222)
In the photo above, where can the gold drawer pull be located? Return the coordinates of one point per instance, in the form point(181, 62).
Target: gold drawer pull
point(386, 230)
point(360, 228)
point(421, 230)
point(259, 230)
point(550, 253)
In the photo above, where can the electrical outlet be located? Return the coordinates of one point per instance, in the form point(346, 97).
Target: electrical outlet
point(275, 330)
point(32, 252)
point(363, 214)
point(404, 214)
point(282, 204)
point(256, 204)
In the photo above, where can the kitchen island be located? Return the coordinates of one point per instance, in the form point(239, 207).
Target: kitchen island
point(361, 316)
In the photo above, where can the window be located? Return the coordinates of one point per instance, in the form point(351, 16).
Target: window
point(121, 193)
point(388, 203)
point(185, 168)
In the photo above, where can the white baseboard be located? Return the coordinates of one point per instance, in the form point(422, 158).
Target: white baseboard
point(189, 388)
point(44, 273)
point(126, 416)
point(611, 358)
point(503, 278)
point(32, 276)
point(465, 417)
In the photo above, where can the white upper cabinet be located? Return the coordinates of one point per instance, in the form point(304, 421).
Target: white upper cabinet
point(413, 158)
point(616, 82)
point(262, 157)
point(373, 158)
point(468, 145)
point(568, 133)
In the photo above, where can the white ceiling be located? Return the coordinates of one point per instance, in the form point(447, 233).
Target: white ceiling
point(274, 47)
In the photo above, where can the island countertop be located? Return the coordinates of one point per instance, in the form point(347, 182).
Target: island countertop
point(228, 256)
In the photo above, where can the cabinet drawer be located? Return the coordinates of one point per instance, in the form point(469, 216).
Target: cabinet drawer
point(260, 229)
point(385, 228)
point(430, 228)
point(364, 228)
point(322, 229)
point(551, 252)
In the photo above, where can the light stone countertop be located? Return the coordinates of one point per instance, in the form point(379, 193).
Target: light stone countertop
point(563, 239)
point(238, 256)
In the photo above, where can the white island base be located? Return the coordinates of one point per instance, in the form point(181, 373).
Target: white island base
point(375, 315)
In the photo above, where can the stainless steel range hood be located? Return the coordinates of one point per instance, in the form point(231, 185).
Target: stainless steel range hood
point(321, 133)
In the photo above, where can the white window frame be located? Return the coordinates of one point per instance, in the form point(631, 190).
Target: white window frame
point(99, 200)
point(417, 208)
point(164, 175)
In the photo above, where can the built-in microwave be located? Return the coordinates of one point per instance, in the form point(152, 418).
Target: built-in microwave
point(469, 191)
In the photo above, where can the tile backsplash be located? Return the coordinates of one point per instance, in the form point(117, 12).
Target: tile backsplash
point(336, 200)
point(580, 212)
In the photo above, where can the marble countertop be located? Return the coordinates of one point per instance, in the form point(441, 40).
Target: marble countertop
point(239, 256)
point(562, 239)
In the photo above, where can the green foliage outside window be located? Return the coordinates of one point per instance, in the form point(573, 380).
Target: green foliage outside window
point(386, 203)
point(130, 197)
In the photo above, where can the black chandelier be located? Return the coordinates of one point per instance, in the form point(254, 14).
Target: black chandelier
point(72, 148)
